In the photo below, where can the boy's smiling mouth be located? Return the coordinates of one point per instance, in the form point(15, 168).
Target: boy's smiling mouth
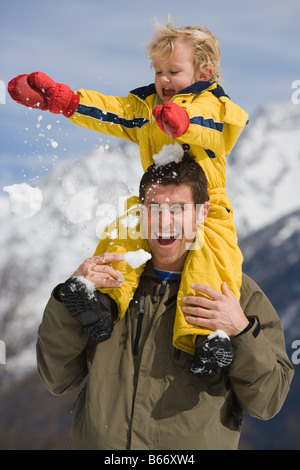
point(168, 92)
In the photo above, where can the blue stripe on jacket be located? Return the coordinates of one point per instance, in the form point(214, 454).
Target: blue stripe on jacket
point(196, 88)
point(210, 123)
point(111, 118)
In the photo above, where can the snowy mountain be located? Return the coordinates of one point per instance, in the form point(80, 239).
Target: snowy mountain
point(264, 167)
point(38, 252)
point(272, 258)
point(81, 196)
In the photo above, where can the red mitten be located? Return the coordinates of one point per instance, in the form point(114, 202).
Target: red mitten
point(37, 90)
point(172, 119)
point(20, 91)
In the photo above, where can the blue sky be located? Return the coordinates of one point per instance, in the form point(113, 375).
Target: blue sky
point(100, 45)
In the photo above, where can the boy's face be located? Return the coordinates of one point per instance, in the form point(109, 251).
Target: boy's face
point(177, 73)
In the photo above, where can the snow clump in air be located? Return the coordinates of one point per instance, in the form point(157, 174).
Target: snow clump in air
point(25, 201)
point(136, 258)
point(53, 143)
point(169, 153)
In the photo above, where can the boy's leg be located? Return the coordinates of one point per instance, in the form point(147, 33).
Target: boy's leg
point(217, 259)
point(211, 353)
point(94, 310)
point(120, 238)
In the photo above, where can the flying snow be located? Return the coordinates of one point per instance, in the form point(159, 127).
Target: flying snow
point(106, 213)
point(169, 153)
point(53, 143)
point(25, 201)
point(81, 206)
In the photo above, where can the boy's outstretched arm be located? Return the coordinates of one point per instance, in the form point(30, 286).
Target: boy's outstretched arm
point(110, 115)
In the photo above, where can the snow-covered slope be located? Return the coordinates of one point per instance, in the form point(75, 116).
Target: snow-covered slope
point(272, 258)
point(264, 168)
point(37, 252)
point(80, 197)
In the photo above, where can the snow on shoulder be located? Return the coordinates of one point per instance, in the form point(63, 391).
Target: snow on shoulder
point(136, 258)
point(169, 153)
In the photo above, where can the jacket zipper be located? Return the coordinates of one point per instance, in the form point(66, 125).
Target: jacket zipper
point(162, 290)
point(161, 294)
point(139, 323)
point(177, 352)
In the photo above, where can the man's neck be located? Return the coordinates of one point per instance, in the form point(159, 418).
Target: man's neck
point(176, 266)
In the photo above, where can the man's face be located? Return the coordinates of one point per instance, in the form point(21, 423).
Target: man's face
point(169, 220)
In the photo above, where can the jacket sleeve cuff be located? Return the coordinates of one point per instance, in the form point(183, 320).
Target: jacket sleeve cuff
point(72, 106)
point(253, 353)
point(255, 331)
point(57, 292)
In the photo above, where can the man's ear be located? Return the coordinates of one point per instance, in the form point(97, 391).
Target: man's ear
point(202, 212)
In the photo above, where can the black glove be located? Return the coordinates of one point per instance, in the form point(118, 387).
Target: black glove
point(95, 311)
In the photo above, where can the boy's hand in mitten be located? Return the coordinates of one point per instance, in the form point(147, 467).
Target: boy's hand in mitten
point(172, 119)
point(37, 90)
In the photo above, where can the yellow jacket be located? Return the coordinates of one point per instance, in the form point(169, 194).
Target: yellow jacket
point(215, 125)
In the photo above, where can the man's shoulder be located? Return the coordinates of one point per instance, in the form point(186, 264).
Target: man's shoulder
point(249, 285)
point(253, 297)
point(250, 290)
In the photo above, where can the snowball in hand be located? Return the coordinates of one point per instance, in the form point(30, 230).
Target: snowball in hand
point(136, 258)
point(25, 201)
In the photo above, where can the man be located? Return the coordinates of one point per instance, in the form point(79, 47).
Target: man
point(139, 392)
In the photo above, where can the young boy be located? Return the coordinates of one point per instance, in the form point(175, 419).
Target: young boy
point(186, 106)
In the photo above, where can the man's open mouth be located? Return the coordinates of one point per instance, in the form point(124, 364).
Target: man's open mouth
point(166, 238)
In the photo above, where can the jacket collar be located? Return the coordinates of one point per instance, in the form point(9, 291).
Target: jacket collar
point(196, 89)
point(152, 275)
point(144, 91)
point(199, 87)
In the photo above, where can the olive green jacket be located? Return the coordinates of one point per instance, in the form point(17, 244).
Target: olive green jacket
point(139, 392)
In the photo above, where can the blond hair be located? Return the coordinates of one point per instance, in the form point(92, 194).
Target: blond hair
point(205, 46)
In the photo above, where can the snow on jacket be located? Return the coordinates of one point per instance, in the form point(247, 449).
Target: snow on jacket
point(142, 396)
